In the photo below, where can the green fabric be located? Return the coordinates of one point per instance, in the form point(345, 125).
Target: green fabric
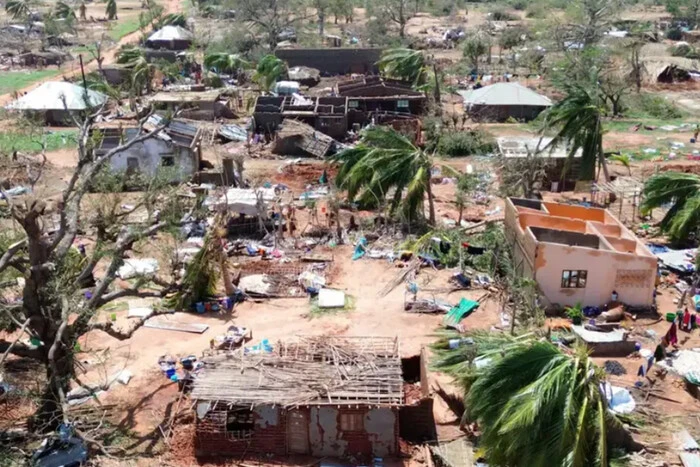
point(459, 312)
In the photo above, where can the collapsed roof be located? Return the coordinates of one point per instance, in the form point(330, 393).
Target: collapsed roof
point(58, 95)
point(311, 371)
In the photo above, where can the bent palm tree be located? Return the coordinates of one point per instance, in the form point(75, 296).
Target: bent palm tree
point(140, 69)
point(579, 117)
point(536, 406)
point(682, 192)
point(226, 63)
point(385, 159)
point(413, 66)
point(269, 70)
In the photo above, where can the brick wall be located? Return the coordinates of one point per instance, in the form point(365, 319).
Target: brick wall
point(211, 438)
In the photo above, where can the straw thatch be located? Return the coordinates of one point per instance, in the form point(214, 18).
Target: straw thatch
point(310, 371)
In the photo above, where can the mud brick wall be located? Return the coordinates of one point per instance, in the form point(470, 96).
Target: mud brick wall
point(267, 437)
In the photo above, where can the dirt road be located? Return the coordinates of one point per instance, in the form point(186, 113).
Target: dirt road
point(72, 68)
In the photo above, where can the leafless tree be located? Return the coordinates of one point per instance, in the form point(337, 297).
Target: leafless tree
point(60, 298)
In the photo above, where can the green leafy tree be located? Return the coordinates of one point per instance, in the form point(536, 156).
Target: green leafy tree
point(682, 192)
point(475, 46)
point(578, 120)
point(111, 9)
point(270, 69)
point(536, 406)
point(383, 160)
point(396, 11)
point(270, 17)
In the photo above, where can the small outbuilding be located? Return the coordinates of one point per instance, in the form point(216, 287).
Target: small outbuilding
point(57, 100)
point(174, 152)
point(501, 101)
point(170, 38)
point(320, 396)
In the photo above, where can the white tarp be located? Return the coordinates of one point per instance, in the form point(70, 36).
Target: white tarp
point(619, 399)
point(51, 96)
point(137, 267)
point(331, 298)
point(244, 200)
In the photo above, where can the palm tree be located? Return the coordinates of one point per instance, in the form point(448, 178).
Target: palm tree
point(63, 10)
point(18, 9)
point(226, 63)
point(412, 66)
point(173, 19)
point(623, 159)
point(111, 9)
point(269, 70)
point(579, 117)
point(536, 406)
point(682, 192)
point(140, 69)
point(385, 159)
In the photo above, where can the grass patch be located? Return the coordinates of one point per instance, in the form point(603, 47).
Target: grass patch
point(32, 143)
point(317, 312)
point(625, 125)
point(14, 80)
point(124, 28)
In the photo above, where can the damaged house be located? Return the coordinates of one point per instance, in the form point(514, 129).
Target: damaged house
point(356, 103)
point(195, 105)
point(578, 254)
point(320, 396)
point(175, 150)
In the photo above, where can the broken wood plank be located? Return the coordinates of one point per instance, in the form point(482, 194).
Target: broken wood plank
point(175, 326)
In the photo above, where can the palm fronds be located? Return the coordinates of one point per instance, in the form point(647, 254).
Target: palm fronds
point(226, 63)
point(18, 9)
point(578, 118)
point(385, 160)
point(404, 64)
point(535, 405)
point(173, 19)
point(682, 192)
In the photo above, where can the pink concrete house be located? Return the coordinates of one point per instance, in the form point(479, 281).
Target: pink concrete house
point(578, 254)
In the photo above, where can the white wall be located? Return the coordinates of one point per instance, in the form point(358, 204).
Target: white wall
point(150, 152)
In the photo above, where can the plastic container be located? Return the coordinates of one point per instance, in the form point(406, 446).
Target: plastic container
point(199, 306)
point(670, 317)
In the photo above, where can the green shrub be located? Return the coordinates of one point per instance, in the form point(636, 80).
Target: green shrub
point(499, 14)
point(658, 107)
point(681, 50)
point(519, 5)
point(466, 143)
point(674, 34)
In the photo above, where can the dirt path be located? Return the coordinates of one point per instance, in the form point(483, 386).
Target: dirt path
point(71, 68)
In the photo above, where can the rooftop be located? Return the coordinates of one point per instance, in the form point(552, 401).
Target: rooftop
point(375, 86)
point(186, 96)
point(515, 146)
point(319, 370)
point(574, 225)
point(504, 94)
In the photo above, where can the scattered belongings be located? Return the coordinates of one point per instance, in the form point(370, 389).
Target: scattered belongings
point(619, 399)
point(234, 337)
point(63, 450)
point(459, 312)
point(313, 283)
point(679, 261)
point(613, 367)
point(685, 363)
point(331, 298)
point(248, 201)
point(134, 267)
point(427, 305)
point(257, 285)
point(176, 326)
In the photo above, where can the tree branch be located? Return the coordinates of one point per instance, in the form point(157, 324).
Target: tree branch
point(6, 259)
point(20, 350)
point(130, 292)
point(108, 326)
